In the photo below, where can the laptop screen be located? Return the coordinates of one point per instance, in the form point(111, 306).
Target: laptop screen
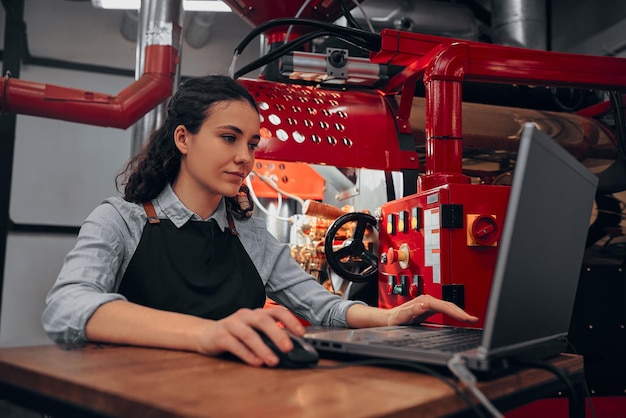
point(542, 245)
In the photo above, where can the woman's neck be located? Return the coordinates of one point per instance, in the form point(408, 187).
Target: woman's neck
point(195, 199)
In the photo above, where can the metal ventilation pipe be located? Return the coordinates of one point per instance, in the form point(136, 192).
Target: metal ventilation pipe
point(519, 23)
point(198, 31)
point(160, 23)
point(452, 19)
point(129, 27)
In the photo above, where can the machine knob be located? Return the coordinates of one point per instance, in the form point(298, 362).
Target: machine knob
point(394, 255)
point(416, 287)
point(400, 255)
point(484, 230)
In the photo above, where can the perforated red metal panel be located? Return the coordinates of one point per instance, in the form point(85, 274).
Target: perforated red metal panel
point(353, 128)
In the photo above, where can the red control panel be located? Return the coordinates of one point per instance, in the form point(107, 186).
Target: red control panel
point(442, 242)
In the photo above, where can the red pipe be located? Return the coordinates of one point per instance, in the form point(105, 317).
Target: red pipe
point(444, 141)
point(444, 132)
point(597, 109)
point(446, 63)
point(92, 108)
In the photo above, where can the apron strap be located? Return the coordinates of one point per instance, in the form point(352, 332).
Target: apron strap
point(231, 223)
point(154, 219)
point(152, 216)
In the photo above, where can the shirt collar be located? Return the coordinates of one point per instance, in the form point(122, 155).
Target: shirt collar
point(178, 213)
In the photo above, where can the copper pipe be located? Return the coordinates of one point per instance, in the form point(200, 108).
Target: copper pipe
point(497, 129)
point(322, 210)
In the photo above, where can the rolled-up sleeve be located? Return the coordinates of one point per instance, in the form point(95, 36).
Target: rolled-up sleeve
point(89, 275)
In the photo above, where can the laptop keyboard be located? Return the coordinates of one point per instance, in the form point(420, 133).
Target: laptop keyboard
point(448, 340)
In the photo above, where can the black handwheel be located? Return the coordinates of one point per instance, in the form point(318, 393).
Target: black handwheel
point(352, 261)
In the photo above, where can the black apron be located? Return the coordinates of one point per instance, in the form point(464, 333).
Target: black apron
point(196, 269)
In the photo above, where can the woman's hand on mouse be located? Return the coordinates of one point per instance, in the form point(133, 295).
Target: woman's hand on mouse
point(237, 334)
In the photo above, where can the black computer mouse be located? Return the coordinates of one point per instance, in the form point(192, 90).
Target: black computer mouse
point(301, 356)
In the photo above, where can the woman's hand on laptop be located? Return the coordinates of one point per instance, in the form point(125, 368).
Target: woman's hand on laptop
point(411, 312)
point(424, 306)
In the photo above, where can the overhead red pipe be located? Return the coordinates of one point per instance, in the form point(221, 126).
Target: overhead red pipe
point(92, 108)
point(445, 63)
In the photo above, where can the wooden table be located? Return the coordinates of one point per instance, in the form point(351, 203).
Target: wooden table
point(106, 380)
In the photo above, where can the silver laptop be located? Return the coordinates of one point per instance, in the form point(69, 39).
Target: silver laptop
point(535, 277)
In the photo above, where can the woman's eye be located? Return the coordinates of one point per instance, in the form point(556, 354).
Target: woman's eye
point(229, 138)
point(253, 146)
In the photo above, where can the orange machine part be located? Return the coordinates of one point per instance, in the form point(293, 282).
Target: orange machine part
point(294, 178)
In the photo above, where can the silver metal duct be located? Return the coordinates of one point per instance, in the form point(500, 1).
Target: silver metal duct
point(519, 23)
point(454, 20)
point(160, 23)
point(198, 26)
point(198, 29)
point(129, 26)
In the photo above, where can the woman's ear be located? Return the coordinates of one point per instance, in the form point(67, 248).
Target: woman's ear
point(181, 139)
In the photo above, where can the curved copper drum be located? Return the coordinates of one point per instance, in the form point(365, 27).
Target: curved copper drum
point(496, 130)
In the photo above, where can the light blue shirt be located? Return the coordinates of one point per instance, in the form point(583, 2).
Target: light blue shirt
point(93, 269)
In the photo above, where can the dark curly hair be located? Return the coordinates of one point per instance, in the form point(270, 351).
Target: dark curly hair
point(158, 163)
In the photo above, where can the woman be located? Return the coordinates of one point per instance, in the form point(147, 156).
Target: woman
point(178, 262)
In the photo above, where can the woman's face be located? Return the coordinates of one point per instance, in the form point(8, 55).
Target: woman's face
point(217, 159)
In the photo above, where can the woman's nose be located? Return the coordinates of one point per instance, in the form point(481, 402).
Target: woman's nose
point(244, 155)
